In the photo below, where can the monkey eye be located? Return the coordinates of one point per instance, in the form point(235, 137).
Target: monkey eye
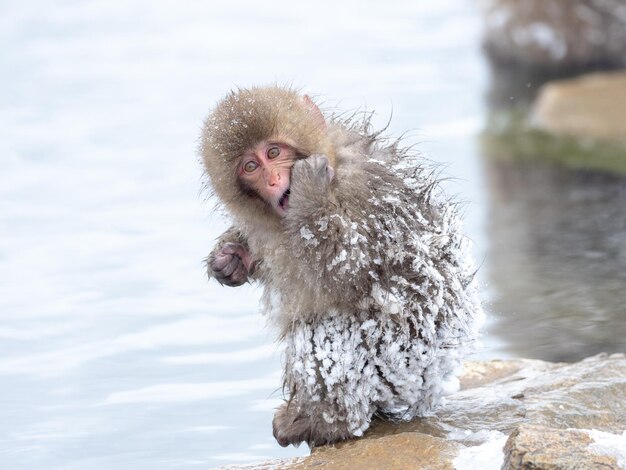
point(273, 152)
point(250, 166)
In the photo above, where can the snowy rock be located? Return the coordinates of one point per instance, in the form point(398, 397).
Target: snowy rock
point(564, 416)
point(538, 447)
point(593, 106)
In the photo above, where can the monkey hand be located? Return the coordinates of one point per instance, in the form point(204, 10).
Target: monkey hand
point(230, 264)
point(314, 170)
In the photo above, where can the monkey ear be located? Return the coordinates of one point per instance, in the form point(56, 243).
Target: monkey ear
point(315, 112)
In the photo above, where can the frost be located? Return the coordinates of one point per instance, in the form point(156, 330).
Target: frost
point(355, 238)
point(486, 456)
point(406, 313)
point(308, 236)
point(391, 199)
point(306, 233)
point(612, 445)
point(341, 257)
point(386, 301)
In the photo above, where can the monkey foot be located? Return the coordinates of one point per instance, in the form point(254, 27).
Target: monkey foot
point(291, 426)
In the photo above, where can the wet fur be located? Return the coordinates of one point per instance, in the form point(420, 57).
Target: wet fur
point(367, 280)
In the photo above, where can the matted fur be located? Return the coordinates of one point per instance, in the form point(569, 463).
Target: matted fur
point(367, 278)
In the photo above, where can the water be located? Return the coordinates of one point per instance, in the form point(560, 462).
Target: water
point(115, 352)
point(558, 268)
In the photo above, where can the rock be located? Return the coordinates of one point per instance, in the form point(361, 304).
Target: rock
point(399, 451)
point(587, 394)
point(509, 137)
point(476, 374)
point(551, 34)
point(534, 401)
point(538, 447)
point(589, 106)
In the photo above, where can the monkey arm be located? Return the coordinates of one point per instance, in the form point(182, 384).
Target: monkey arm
point(230, 262)
point(331, 225)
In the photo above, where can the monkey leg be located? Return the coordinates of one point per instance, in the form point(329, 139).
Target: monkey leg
point(343, 367)
point(332, 383)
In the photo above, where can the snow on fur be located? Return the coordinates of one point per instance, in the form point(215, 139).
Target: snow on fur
point(369, 281)
point(398, 349)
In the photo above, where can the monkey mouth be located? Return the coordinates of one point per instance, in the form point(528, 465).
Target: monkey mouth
point(283, 202)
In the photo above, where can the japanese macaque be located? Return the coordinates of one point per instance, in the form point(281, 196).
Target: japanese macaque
point(366, 272)
point(537, 34)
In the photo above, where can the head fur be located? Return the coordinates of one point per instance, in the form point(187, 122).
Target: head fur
point(246, 117)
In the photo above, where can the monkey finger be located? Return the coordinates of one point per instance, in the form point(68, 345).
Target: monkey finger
point(230, 282)
point(318, 162)
point(330, 173)
point(232, 249)
point(237, 278)
point(237, 249)
point(321, 166)
point(224, 279)
point(220, 261)
point(230, 268)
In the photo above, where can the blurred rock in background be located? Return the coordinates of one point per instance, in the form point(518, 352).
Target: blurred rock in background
point(590, 106)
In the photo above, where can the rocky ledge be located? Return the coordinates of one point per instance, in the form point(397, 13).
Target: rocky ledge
point(579, 123)
point(592, 106)
point(515, 414)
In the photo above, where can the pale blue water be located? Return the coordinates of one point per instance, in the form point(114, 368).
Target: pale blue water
point(115, 352)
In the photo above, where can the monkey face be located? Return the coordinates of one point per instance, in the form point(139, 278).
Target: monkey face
point(265, 169)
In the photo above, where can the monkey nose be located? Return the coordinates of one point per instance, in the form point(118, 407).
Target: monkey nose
point(272, 178)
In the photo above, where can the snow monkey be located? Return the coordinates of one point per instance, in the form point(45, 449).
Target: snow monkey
point(366, 273)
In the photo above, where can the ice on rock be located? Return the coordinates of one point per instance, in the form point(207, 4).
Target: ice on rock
point(486, 456)
point(612, 445)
